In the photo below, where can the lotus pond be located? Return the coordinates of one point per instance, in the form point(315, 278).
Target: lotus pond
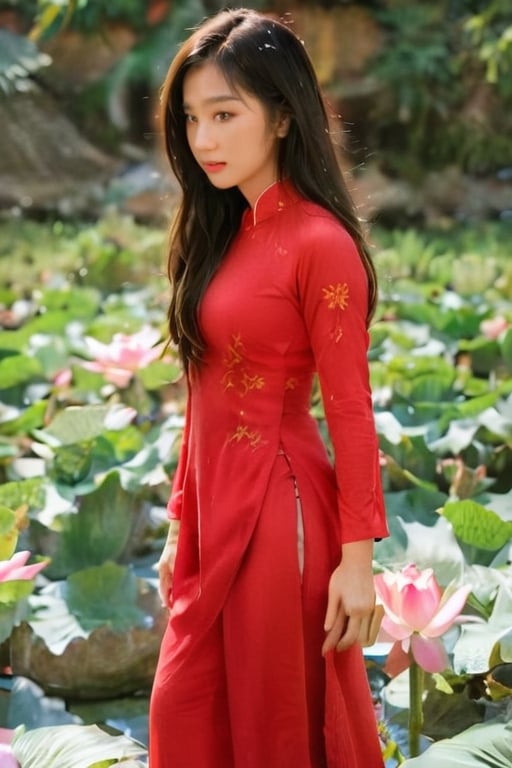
point(91, 411)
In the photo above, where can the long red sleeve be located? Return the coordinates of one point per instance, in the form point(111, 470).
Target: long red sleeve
point(333, 289)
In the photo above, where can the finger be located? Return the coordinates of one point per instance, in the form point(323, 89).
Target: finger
point(350, 634)
point(334, 633)
point(164, 587)
point(333, 609)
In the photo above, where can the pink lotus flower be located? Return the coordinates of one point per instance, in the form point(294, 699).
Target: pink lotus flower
point(119, 360)
point(63, 377)
point(417, 613)
point(7, 759)
point(494, 327)
point(16, 570)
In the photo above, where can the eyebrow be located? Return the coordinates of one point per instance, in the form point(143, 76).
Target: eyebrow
point(216, 99)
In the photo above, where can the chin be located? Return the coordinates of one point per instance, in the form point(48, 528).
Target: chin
point(218, 184)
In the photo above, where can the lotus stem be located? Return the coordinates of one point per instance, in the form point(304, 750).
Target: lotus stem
point(416, 686)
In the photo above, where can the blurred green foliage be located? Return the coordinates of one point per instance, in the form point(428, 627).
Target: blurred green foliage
point(447, 67)
point(444, 72)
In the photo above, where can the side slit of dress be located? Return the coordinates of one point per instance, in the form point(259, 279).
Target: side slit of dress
point(300, 516)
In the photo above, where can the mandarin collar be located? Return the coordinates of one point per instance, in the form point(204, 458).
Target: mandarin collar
point(274, 199)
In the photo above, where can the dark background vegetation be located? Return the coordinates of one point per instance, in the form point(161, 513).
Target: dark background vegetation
point(424, 89)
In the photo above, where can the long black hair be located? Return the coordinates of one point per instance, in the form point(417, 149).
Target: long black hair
point(263, 57)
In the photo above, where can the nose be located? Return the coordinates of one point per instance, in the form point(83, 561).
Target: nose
point(203, 136)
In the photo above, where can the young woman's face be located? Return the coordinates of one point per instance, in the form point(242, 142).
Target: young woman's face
point(230, 133)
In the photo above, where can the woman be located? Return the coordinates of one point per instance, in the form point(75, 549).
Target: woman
point(270, 585)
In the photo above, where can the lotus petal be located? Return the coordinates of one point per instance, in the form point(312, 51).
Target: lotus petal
point(396, 631)
point(418, 606)
point(16, 570)
point(396, 661)
point(429, 653)
point(8, 566)
point(7, 759)
point(447, 613)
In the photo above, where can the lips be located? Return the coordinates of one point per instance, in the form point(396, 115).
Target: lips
point(213, 167)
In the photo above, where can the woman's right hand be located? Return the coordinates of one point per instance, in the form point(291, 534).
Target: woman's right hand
point(165, 565)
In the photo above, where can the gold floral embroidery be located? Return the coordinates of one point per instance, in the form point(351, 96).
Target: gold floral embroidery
point(251, 382)
point(336, 295)
point(337, 299)
point(337, 333)
point(291, 383)
point(240, 380)
point(237, 376)
point(243, 431)
point(232, 361)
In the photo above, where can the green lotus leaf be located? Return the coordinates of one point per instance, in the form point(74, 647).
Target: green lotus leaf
point(447, 710)
point(502, 653)
point(76, 424)
point(7, 449)
point(72, 746)
point(414, 504)
point(29, 419)
point(418, 313)
point(475, 387)
point(434, 546)
point(485, 353)
point(29, 705)
point(8, 532)
point(7, 296)
point(378, 334)
point(158, 374)
point(18, 369)
point(98, 532)
point(78, 302)
point(53, 356)
point(12, 341)
point(51, 323)
point(460, 434)
point(506, 348)
point(472, 272)
point(501, 503)
point(499, 682)
point(462, 323)
point(18, 493)
point(483, 644)
point(469, 408)
point(412, 366)
point(12, 591)
point(497, 424)
point(431, 388)
point(488, 744)
point(114, 320)
point(100, 663)
point(124, 444)
point(477, 526)
point(412, 455)
point(72, 463)
point(10, 615)
point(418, 414)
point(104, 595)
point(86, 381)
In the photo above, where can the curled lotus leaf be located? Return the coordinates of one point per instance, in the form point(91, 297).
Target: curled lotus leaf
point(106, 664)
